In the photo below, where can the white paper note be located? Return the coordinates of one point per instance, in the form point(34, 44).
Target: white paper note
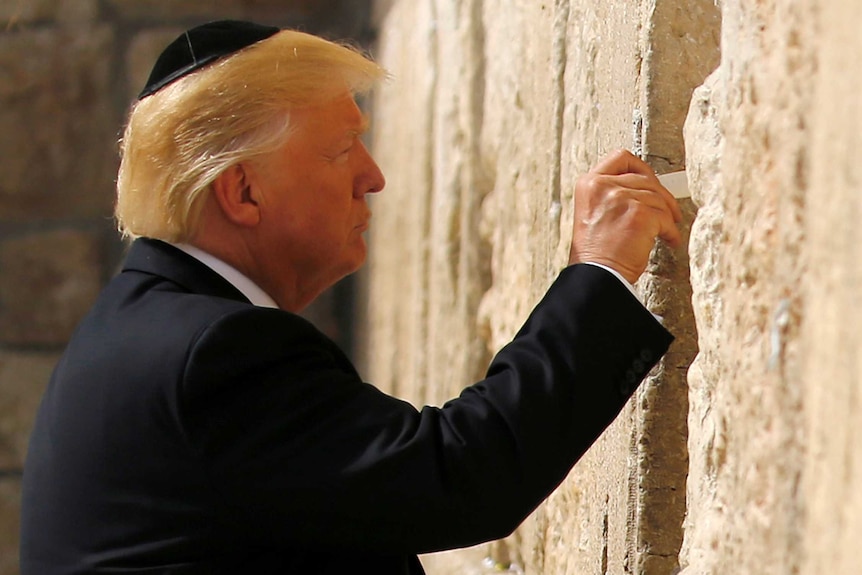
point(676, 183)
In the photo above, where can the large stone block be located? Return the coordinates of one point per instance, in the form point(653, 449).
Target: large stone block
point(747, 515)
point(59, 157)
point(48, 282)
point(23, 377)
point(21, 13)
point(704, 528)
point(10, 513)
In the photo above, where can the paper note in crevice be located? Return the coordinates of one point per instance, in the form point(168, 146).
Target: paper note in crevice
point(676, 183)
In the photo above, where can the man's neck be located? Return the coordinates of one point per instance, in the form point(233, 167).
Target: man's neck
point(255, 294)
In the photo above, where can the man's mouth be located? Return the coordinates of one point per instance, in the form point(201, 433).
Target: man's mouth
point(364, 224)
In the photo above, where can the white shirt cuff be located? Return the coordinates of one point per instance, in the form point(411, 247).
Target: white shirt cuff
point(626, 283)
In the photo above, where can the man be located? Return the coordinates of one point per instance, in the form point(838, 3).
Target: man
point(195, 424)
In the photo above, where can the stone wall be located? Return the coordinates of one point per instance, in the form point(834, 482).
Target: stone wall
point(68, 70)
point(745, 461)
point(493, 112)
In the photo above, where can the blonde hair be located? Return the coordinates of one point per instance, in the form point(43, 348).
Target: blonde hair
point(179, 139)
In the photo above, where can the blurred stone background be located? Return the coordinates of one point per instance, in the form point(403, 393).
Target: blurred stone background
point(740, 454)
point(68, 71)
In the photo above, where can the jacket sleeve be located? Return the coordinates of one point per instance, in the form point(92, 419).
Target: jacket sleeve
point(301, 452)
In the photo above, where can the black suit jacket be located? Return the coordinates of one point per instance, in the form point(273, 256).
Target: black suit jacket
point(187, 431)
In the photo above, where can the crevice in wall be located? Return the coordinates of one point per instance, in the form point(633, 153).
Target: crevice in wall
point(605, 528)
point(668, 74)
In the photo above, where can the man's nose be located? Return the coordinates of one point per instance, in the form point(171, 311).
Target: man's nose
point(371, 179)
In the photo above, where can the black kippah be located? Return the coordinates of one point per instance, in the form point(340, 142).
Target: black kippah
point(200, 46)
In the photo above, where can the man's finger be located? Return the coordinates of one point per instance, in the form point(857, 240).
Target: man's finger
point(656, 215)
point(668, 230)
point(622, 162)
point(648, 184)
point(671, 202)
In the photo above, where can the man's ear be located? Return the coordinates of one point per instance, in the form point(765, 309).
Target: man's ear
point(236, 197)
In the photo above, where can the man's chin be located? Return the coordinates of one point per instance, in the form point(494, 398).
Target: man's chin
point(355, 262)
point(358, 265)
point(361, 253)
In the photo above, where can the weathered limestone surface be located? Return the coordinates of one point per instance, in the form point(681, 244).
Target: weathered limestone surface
point(830, 334)
point(503, 105)
point(773, 139)
point(702, 132)
point(401, 315)
point(750, 154)
point(658, 60)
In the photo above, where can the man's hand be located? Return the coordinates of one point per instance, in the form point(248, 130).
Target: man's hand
point(620, 209)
